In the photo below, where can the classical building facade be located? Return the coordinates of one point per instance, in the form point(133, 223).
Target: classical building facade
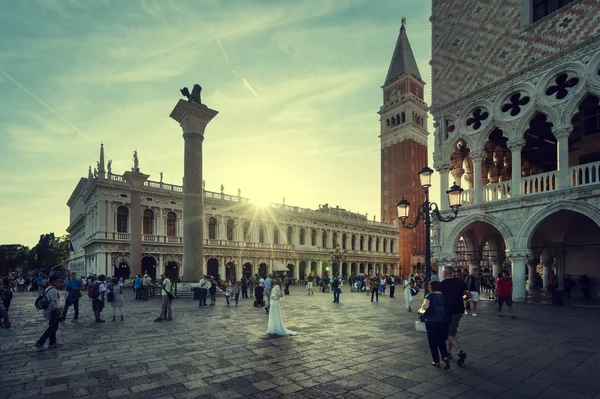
point(516, 90)
point(240, 237)
point(403, 119)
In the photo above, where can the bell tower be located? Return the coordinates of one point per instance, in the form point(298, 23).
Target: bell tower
point(403, 119)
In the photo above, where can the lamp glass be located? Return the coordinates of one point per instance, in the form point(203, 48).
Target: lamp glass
point(403, 207)
point(455, 196)
point(425, 176)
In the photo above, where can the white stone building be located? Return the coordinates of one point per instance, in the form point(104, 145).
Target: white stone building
point(516, 91)
point(240, 237)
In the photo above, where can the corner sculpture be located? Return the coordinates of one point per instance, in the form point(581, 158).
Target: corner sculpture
point(195, 96)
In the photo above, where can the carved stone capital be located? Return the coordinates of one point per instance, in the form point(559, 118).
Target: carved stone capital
point(516, 144)
point(562, 131)
point(518, 255)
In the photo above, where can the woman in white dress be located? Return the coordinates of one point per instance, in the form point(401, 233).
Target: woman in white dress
point(408, 296)
point(276, 323)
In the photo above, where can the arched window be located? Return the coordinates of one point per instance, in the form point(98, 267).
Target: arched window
point(362, 243)
point(230, 227)
point(302, 236)
point(370, 245)
point(324, 243)
point(289, 235)
point(385, 245)
point(387, 123)
point(344, 241)
point(261, 234)
point(275, 235)
point(148, 222)
point(377, 244)
point(247, 231)
point(353, 242)
point(122, 219)
point(171, 224)
point(335, 238)
point(393, 121)
point(313, 237)
point(403, 117)
point(212, 229)
point(391, 245)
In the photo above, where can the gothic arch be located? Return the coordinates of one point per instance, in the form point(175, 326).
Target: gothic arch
point(482, 138)
point(572, 107)
point(523, 239)
point(456, 232)
point(450, 145)
point(523, 124)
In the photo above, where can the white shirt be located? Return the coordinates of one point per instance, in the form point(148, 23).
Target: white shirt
point(261, 282)
point(54, 298)
point(101, 289)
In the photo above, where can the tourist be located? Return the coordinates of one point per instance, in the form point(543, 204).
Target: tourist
point(251, 285)
point(137, 285)
point(335, 285)
point(409, 288)
point(287, 281)
point(474, 286)
point(236, 292)
point(392, 283)
point(382, 286)
point(74, 287)
point(276, 324)
point(52, 314)
point(434, 276)
point(568, 284)
point(117, 298)
point(244, 286)
point(539, 282)
point(204, 286)
point(504, 288)
point(227, 293)
point(213, 291)
point(267, 285)
point(97, 293)
point(4, 320)
point(375, 287)
point(553, 284)
point(309, 285)
point(167, 297)
point(454, 291)
point(586, 284)
point(436, 323)
point(146, 280)
point(7, 295)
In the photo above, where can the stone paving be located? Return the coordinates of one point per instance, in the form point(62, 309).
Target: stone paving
point(356, 349)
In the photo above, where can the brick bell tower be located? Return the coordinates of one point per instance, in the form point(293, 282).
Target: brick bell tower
point(403, 118)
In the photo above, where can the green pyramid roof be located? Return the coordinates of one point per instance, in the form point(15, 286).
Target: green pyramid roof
point(403, 60)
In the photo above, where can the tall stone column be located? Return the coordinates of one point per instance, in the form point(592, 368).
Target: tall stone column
point(496, 267)
point(515, 147)
point(444, 171)
point(562, 133)
point(474, 262)
point(136, 180)
point(477, 178)
point(519, 260)
point(193, 118)
point(531, 265)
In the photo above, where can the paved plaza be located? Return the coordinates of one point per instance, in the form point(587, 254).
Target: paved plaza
point(356, 349)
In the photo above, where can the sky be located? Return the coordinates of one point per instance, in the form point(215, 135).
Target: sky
point(297, 85)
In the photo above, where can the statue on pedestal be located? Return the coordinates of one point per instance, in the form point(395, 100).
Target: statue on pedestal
point(109, 166)
point(161, 176)
point(136, 165)
point(194, 97)
point(203, 184)
point(95, 173)
point(222, 189)
point(239, 192)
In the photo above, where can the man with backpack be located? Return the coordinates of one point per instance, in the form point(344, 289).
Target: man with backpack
point(51, 306)
point(74, 287)
point(96, 292)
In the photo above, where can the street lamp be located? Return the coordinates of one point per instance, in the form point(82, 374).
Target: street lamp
point(338, 257)
point(427, 211)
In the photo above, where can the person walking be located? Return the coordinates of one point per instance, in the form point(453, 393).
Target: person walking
point(97, 293)
point(375, 287)
point(117, 298)
point(74, 287)
point(436, 323)
point(409, 287)
point(504, 288)
point(137, 285)
point(454, 291)
point(227, 293)
point(309, 285)
point(167, 297)
point(267, 285)
point(236, 292)
point(335, 285)
point(52, 314)
point(287, 281)
point(244, 287)
point(392, 285)
point(213, 292)
point(146, 287)
point(474, 286)
point(568, 284)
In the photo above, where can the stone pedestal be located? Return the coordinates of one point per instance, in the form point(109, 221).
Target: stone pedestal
point(193, 119)
point(136, 181)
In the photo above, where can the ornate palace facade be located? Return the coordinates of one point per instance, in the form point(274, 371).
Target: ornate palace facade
point(516, 92)
point(239, 237)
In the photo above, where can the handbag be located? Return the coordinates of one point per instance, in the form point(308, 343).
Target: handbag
point(413, 291)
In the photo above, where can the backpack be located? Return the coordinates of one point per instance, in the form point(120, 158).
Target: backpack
point(42, 302)
point(110, 296)
point(335, 283)
point(94, 291)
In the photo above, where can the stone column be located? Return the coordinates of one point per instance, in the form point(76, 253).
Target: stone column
point(193, 119)
point(496, 267)
point(559, 260)
point(238, 269)
point(531, 265)
point(515, 146)
point(477, 188)
point(474, 262)
point(136, 182)
point(320, 268)
point(562, 133)
point(519, 260)
point(222, 269)
point(444, 171)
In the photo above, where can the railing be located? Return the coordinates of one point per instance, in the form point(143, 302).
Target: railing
point(121, 236)
point(150, 238)
point(173, 240)
point(496, 191)
point(540, 183)
point(115, 177)
point(583, 175)
point(467, 196)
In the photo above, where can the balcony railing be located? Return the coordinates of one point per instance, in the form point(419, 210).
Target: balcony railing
point(584, 175)
point(150, 238)
point(539, 183)
point(467, 196)
point(496, 191)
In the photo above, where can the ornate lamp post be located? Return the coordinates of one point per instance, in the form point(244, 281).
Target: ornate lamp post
point(338, 256)
point(427, 211)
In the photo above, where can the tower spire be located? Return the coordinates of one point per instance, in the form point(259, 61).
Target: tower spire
point(403, 60)
point(101, 170)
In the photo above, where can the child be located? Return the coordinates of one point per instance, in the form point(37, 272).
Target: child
point(236, 292)
point(227, 293)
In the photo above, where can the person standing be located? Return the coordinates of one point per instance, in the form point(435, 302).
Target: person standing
point(375, 287)
point(568, 286)
point(436, 324)
point(117, 298)
point(276, 324)
point(236, 292)
point(137, 285)
point(267, 285)
point(146, 287)
point(409, 286)
point(167, 297)
point(74, 287)
point(287, 281)
point(454, 291)
point(203, 284)
point(309, 285)
point(504, 288)
point(213, 292)
point(474, 286)
point(244, 287)
point(335, 285)
point(4, 321)
point(52, 314)
point(586, 284)
point(97, 294)
point(392, 284)
point(434, 276)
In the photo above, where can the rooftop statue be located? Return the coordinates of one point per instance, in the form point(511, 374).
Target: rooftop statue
point(195, 96)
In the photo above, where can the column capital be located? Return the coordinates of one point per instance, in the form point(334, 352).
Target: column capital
point(192, 117)
point(518, 254)
point(442, 167)
point(478, 156)
point(516, 144)
point(135, 179)
point(562, 131)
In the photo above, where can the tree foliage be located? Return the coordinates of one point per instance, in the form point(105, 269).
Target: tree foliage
point(49, 252)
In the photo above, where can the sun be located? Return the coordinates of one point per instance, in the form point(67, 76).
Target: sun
point(261, 202)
